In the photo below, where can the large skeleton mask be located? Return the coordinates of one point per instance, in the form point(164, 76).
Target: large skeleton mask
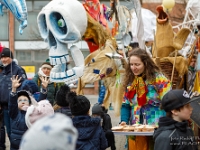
point(61, 22)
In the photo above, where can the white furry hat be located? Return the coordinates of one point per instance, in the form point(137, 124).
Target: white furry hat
point(51, 132)
point(37, 110)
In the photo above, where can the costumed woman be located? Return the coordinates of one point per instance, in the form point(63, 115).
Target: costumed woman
point(145, 85)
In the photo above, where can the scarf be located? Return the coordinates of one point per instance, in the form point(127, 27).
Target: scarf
point(138, 87)
point(41, 74)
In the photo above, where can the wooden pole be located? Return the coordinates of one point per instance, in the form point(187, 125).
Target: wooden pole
point(11, 31)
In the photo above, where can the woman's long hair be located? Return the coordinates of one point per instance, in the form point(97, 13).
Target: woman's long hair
point(150, 66)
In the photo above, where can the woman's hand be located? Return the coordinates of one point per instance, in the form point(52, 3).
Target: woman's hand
point(15, 83)
point(45, 82)
point(122, 123)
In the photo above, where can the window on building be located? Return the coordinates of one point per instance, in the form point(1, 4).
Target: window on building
point(4, 27)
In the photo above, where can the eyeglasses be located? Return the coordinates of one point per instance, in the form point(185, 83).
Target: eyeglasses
point(22, 100)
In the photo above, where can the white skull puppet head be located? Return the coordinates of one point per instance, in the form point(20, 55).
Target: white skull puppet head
point(61, 22)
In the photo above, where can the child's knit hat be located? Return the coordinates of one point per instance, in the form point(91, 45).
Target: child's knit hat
point(29, 85)
point(51, 132)
point(24, 93)
point(61, 96)
point(78, 104)
point(37, 110)
point(97, 109)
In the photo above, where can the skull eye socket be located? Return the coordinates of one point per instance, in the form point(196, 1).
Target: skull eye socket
point(42, 26)
point(58, 23)
point(52, 40)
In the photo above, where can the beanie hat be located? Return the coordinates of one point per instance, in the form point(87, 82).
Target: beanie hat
point(61, 96)
point(47, 65)
point(37, 110)
point(24, 93)
point(51, 132)
point(6, 53)
point(97, 109)
point(29, 85)
point(79, 104)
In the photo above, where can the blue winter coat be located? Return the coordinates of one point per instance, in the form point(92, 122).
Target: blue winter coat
point(18, 125)
point(91, 135)
point(6, 83)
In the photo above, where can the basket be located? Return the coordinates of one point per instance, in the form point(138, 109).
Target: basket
point(166, 68)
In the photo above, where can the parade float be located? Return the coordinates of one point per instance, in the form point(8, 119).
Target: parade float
point(59, 26)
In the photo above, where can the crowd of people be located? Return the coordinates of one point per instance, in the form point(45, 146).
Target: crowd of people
point(24, 102)
point(39, 110)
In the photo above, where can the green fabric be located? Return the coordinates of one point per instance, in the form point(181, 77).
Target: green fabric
point(51, 88)
point(191, 69)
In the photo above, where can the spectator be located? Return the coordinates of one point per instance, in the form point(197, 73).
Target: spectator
point(10, 68)
point(17, 105)
point(91, 134)
point(98, 111)
point(44, 71)
point(32, 87)
point(173, 132)
point(51, 132)
point(192, 74)
point(62, 101)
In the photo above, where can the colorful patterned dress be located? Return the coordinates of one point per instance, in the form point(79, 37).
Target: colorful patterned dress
point(132, 113)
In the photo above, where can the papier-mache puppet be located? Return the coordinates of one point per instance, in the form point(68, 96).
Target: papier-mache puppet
point(18, 9)
point(167, 43)
point(59, 25)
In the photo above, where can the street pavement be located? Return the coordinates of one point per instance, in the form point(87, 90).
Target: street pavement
point(119, 139)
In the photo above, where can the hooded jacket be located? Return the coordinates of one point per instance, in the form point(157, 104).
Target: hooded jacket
point(65, 110)
point(91, 135)
point(173, 135)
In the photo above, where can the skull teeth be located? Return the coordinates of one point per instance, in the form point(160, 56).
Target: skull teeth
point(59, 59)
point(70, 76)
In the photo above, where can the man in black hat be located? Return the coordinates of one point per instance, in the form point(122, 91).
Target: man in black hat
point(173, 132)
point(10, 68)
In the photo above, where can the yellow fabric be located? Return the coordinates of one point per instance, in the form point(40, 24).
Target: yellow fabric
point(181, 64)
point(196, 83)
point(180, 38)
point(96, 32)
point(139, 143)
point(164, 40)
point(98, 61)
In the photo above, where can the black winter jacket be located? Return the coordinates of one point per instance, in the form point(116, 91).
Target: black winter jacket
point(90, 134)
point(65, 110)
point(6, 83)
point(173, 135)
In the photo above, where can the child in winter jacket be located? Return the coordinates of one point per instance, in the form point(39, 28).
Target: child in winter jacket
point(62, 102)
point(98, 111)
point(18, 103)
point(90, 133)
point(173, 132)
